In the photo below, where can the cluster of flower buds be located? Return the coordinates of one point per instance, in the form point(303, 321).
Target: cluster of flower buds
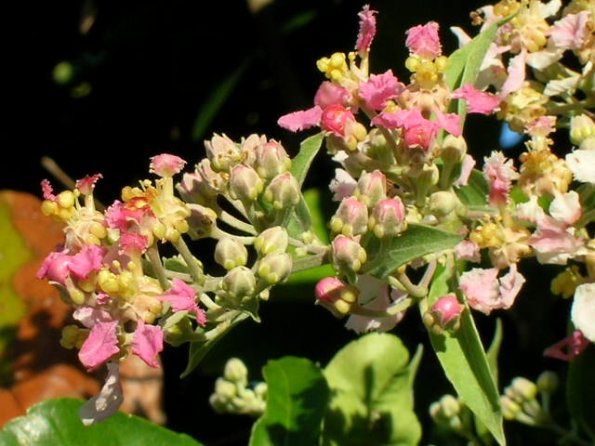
point(233, 395)
point(529, 402)
point(452, 414)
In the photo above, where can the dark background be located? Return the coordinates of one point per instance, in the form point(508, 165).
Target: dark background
point(149, 68)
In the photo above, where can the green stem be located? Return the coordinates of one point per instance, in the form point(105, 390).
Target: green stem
point(235, 222)
point(160, 271)
point(191, 262)
point(218, 233)
point(309, 262)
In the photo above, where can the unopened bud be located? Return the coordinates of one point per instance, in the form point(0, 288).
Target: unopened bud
point(201, 220)
point(223, 153)
point(582, 127)
point(236, 371)
point(442, 203)
point(523, 388)
point(271, 241)
point(230, 253)
point(334, 119)
point(239, 283)
point(336, 296)
point(510, 409)
point(548, 382)
point(244, 183)
point(371, 188)
point(347, 254)
point(351, 217)
point(275, 268)
point(271, 160)
point(388, 218)
point(283, 192)
point(453, 149)
point(445, 314)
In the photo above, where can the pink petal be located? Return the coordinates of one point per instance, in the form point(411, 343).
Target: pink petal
point(55, 267)
point(379, 89)
point(130, 242)
point(451, 122)
point(301, 120)
point(367, 29)
point(568, 348)
point(87, 184)
point(89, 259)
point(423, 40)
point(516, 74)
point(46, 188)
point(510, 285)
point(331, 94)
point(147, 343)
point(571, 32)
point(477, 101)
point(100, 345)
point(182, 297)
point(166, 165)
point(480, 287)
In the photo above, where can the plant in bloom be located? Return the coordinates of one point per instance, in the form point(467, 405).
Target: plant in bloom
point(409, 205)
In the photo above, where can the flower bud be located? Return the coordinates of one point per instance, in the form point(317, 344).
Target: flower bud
point(271, 241)
point(336, 296)
point(445, 314)
point(334, 119)
point(223, 153)
point(236, 371)
point(351, 217)
point(388, 218)
point(510, 409)
point(442, 203)
point(201, 221)
point(239, 283)
point(453, 149)
point(283, 192)
point(244, 183)
point(275, 268)
point(271, 160)
point(371, 188)
point(581, 128)
point(230, 253)
point(547, 382)
point(347, 254)
point(523, 389)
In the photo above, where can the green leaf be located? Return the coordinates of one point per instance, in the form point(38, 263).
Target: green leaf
point(371, 383)
point(466, 365)
point(300, 220)
point(56, 422)
point(474, 195)
point(494, 350)
point(417, 241)
point(580, 390)
point(216, 100)
point(297, 395)
point(300, 165)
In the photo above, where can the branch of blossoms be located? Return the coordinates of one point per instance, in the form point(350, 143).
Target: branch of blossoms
point(403, 162)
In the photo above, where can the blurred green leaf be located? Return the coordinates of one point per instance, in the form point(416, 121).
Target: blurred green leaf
point(580, 391)
point(475, 194)
point(466, 365)
point(371, 381)
point(216, 101)
point(297, 395)
point(417, 241)
point(56, 422)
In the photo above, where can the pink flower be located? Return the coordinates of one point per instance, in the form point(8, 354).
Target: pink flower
point(423, 40)
point(451, 122)
point(90, 316)
point(571, 32)
point(466, 169)
point(484, 292)
point(87, 184)
point(147, 342)
point(130, 242)
point(467, 250)
point(182, 297)
point(379, 89)
point(122, 217)
point(554, 242)
point(477, 101)
point(568, 348)
point(47, 190)
point(499, 173)
point(301, 120)
point(88, 260)
point(335, 118)
point(329, 289)
point(166, 165)
point(329, 94)
point(107, 402)
point(55, 267)
point(367, 29)
point(100, 345)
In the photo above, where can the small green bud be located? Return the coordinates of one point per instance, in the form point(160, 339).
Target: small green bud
point(275, 268)
point(283, 192)
point(271, 160)
point(442, 203)
point(230, 253)
point(244, 183)
point(453, 149)
point(581, 128)
point(271, 241)
point(63, 73)
point(524, 388)
point(236, 371)
point(548, 382)
point(510, 409)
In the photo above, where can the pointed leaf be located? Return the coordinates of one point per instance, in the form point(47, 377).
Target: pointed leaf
point(465, 364)
point(417, 241)
point(300, 165)
point(297, 395)
point(56, 422)
point(580, 391)
point(371, 383)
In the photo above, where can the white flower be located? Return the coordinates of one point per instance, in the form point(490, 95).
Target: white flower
point(583, 310)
